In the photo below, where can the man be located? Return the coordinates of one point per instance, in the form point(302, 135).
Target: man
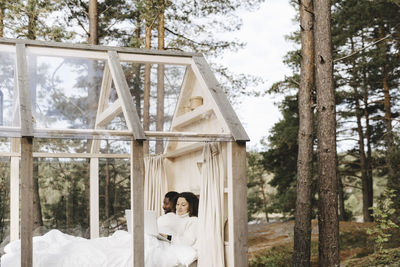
point(167, 222)
point(170, 202)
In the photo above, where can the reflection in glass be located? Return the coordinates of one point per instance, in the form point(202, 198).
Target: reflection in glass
point(64, 91)
point(7, 65)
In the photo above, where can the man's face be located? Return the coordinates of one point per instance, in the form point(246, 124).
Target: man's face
point(167, 205)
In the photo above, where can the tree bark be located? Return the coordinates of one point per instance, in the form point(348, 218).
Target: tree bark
point(367, 133)
point(328, 224)
point(32, 14)
point(147, 70)
point(342, 210)
point(92, 91)
point(107, 185)
point(302, 227)
point(2, 16)
point(389, 140)
point(32, 19)
point(160, 80)
point(137, 81)
point(361, 145)
point(37, 207)
point(93, 23)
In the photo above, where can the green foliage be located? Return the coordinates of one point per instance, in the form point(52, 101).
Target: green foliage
point(4, 197)
point(281, 157)
point(258, 194)
point(386, 257)
point(276, 256)
point(383, 213)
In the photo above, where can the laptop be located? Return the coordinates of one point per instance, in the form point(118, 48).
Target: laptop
point(150, 223)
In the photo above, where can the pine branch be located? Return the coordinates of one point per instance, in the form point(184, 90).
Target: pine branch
point(184, 37)
point(76, 17)
point(353, 186)
point(357, 51)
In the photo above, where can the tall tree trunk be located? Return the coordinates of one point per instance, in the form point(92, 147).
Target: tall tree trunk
point(2, 16)
point(92, 93)
point(137, 81)
point(107, 185)
point(365, 99)
point(389, 139)
point(342, 210)
point(392, 164)
point(147, 70)
point(37, 214)
point(361, 146)
point(69, 206)
point(328, 224)
point(160, 80)
point(32, 19)
point(93, 23)
point(302, 227)
point(363, 161)
point(265, 201)
point(32, 14)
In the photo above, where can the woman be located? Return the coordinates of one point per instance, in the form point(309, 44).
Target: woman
point(187, 205)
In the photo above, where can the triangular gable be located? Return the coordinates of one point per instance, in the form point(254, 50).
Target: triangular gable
point(208, 80)
point(202, 107)
point(107, 110)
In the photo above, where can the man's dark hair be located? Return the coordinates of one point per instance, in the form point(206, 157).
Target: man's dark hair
point(172, 197)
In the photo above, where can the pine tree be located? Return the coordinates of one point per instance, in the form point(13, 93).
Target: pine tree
point(302, 228)
point(328, 224)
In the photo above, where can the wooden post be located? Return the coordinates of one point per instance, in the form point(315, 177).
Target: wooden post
point(14, 199)
point(26, 201)
point(94, 198)
point(128, 108)
point(137, 202)
point(25, 111)
point(94, 162)
point(237, 204)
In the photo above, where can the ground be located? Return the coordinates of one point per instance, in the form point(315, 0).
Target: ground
point(264, 235)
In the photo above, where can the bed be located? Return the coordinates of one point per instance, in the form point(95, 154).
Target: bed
point(58, 249)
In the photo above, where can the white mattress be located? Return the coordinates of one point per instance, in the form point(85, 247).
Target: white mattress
point(58, 249)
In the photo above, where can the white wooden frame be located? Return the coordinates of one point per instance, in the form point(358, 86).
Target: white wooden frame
point(23, 133)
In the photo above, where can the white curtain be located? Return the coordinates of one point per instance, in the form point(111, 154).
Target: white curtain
point(211, 229)
point(155, 183)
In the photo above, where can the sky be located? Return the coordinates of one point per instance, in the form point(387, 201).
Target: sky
point(264, 31)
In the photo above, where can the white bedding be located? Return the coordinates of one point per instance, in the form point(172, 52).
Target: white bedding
point(58, 249)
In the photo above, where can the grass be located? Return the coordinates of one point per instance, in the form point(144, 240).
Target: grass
point(275, 256)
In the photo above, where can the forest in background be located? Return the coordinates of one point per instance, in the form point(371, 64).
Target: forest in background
point(360, 178)
point(366, 77)
point(365, 39)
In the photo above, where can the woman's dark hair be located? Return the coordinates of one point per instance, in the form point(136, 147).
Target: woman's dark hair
point(193, 202)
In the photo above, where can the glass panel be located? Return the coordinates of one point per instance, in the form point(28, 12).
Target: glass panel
point(64, 186)
point(57, 145)
point(64, 91)
point(5, 144)
point(173, 78)
point(114, 187)
point(7, 81)
point(4, 200)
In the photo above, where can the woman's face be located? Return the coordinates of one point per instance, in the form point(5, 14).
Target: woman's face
point(182, 206)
